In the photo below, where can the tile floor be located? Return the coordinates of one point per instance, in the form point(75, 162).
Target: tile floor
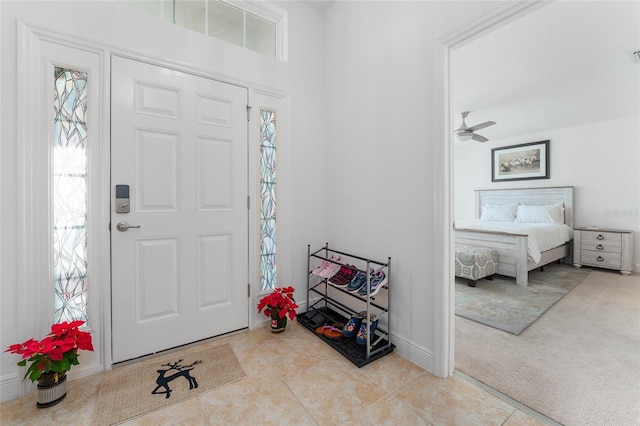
point(294, 378)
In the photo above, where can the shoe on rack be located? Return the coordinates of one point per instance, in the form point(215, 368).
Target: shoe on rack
point(344, 276)
point(338, 277)
point(358, 281)
point(361, 337)
point(377, 280)
point(351, 328)
point(332, 269)
point(332, 331)
point(323, 265)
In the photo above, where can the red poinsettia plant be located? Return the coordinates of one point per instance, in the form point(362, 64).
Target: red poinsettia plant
point(57, 352)
point(279, 303)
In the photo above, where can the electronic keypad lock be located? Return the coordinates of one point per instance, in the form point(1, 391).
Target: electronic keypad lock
point(122, 199)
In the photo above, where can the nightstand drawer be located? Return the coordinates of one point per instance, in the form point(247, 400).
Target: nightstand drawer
point(605, 246)
point(602, 260)
point(601, 237)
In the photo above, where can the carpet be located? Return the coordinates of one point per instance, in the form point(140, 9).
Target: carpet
point(140, 388)
point(578, 364)
point(503, 305)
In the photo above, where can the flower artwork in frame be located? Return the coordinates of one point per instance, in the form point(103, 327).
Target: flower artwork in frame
point(520, 162)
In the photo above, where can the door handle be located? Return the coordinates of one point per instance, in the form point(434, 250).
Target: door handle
point(124, 226)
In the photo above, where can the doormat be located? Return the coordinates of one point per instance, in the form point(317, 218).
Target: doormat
point(150, 385)
point(502, 304)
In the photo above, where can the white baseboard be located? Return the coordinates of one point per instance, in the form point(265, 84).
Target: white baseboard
point(78, 373)
point(413, 352)
point(10, 387)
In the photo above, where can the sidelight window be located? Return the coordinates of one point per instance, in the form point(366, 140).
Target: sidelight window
point(268, 264)
point(70, 194)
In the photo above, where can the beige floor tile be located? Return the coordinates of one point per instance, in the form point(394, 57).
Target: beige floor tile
point(76, 408)
point(389, 411)
point(295, 352)
point(334, 390)
point(453, 401)
point(392, 371)
point(282, 354)
point(518, 418)
point(16, 410)
point(273, 404)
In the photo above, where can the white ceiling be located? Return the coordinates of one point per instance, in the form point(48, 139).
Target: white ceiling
point(564, 64)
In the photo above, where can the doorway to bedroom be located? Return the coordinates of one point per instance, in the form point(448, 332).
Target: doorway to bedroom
point(547, 366)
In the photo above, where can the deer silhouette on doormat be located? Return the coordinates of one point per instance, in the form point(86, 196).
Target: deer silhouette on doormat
point(181, 371)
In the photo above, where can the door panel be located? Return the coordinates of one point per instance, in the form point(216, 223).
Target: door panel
point(157, 164)
point(180, 142)
point(157, 283)
point(215, 174)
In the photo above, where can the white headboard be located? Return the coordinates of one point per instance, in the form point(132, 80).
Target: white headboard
point(529, 196)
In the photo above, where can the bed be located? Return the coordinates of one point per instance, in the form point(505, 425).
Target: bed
point(515, 259)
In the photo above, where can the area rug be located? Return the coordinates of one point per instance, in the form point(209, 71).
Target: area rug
point(143, 387)
point(502, 304)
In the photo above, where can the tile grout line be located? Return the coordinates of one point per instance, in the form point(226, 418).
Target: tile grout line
point(406, 403)
point(300, 402)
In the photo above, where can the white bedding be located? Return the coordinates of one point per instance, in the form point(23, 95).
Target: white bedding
point(542, 236)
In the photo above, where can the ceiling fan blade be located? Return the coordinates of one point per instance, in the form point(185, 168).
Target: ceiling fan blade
point(481, 126)
point(479, 138)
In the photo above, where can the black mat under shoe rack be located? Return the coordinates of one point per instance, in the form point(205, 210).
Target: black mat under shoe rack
point(327, 303)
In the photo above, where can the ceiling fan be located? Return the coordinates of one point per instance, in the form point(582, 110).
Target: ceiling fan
point(464, 132)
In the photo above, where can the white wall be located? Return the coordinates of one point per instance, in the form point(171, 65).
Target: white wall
point(379, 65)
point(599, 159)
point(114, 25)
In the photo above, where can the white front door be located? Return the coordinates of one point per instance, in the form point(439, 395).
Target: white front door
point(179, 273)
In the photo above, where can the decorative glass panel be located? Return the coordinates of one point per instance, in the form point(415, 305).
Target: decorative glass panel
point(70, 190)
point(268, 269)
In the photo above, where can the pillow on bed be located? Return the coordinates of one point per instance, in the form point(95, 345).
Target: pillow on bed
point(552, 213)
point(499, 213)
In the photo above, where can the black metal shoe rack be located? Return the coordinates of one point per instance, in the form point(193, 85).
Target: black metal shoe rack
point(323, 306)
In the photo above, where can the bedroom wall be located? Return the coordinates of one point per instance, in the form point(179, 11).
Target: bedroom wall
point(599, 159)
point(301, 171)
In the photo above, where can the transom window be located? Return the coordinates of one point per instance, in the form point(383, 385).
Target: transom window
point(254, 25)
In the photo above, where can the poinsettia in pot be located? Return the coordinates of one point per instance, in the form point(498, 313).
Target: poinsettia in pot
point(279, 305)
point(50, 358)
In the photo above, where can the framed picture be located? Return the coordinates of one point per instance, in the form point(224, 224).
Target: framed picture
point(520, 162)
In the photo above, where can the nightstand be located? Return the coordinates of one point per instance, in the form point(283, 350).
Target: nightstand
point(603, 248)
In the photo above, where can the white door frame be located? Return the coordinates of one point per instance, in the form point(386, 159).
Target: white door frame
point(29, 116)
point(38, 51)
point(444, 178)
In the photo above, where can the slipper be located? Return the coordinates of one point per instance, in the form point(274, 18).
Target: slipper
point(333, 332)
point(322, 328)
